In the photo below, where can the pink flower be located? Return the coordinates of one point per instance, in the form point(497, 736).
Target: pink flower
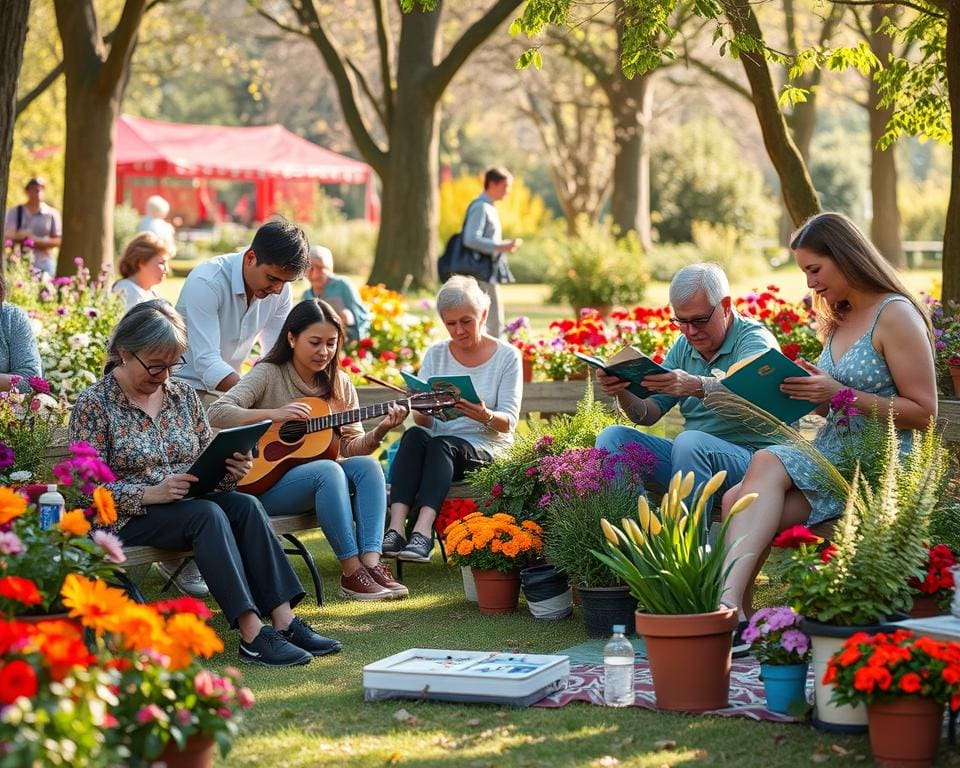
point(112, 546)
point(15, 381)
point(245, 697)
point(149, 714)
point(225, 713)
point(205, 683)
point(35, 404)
point(183, 717)
point(10, 543)
point(39, 385)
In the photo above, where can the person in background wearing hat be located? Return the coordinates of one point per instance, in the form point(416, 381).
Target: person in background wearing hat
point(338, 292)
point(35, 227)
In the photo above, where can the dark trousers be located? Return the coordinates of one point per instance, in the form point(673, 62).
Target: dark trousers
point(235, 548)
point(425, 466)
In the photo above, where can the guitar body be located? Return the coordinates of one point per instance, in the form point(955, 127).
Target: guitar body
point(283, 447)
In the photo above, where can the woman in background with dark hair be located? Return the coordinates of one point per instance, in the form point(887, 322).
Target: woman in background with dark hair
point(347, 495)
point(19, 355)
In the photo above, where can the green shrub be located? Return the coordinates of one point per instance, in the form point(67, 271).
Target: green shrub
point(596, 269)
point(730, 247)
point(353, 244)
point(126, 219)
point(531, 262)
point(923, 208)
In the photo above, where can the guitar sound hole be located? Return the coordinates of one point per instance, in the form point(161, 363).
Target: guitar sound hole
point(293, 431)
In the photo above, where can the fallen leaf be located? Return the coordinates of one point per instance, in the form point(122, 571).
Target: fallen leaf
point(664, 744)
point(701, 754)
point(473, 721)
point(779, 738)
point(394, 758)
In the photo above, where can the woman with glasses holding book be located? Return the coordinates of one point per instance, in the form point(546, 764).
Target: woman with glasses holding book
point(149, 428)
point(877, 354)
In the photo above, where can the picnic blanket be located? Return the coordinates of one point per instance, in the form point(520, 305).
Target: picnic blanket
point(585, 683)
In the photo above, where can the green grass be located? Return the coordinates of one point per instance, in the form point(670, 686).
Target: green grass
point(316, 716)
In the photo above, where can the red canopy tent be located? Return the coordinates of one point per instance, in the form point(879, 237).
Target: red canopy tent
point(284, 167)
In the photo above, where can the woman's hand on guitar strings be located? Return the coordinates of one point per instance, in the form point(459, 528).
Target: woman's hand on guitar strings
point(239, 464)
point(396, 414)
point(291, 412)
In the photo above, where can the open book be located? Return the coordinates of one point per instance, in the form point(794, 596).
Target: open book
point(460, 385)
point(758, 379)
point(629, 364)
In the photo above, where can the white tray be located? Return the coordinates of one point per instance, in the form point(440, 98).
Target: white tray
point(466, 676)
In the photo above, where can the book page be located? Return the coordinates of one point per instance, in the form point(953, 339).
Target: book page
point(627, 354)
point(743, 363)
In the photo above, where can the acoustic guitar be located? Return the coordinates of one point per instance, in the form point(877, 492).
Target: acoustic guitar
point(298, 441)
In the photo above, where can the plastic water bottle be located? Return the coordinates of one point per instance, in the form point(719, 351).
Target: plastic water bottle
point(618, 670)
point(52, 506)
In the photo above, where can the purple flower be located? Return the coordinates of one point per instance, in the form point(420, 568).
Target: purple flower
point(750, 634)
point(10, 544)
point(516, 325)
point(78, 261)
point(579, 471)
point(62, 281)
point(91, 312)
point(795, 641)
point(61, 311)
point(845, 398)
point(8, 243)
point(15, 380)
point(636, 461)
point(7, 456)
point(531, 471)
point(543, 443)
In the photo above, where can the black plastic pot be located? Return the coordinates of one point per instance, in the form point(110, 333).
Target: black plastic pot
point(547, 592)
point(605, 606)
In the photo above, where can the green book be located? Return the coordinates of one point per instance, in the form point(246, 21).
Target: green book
point(629, 364)
point(460, 385)
point(758, 380)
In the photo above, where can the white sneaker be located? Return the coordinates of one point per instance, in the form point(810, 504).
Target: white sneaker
point(189, 581)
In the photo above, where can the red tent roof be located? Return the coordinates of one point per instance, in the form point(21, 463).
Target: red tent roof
point(156, 148)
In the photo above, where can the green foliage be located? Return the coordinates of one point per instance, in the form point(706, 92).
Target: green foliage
point(945, 524)
point(665, 559)
point(572, 530)
point(879, 539)
point(838, 167)
point(126, 219)
point(923, 208)
point(725, 244)
point(352, 243)
point(698, 175)
point(596, 269)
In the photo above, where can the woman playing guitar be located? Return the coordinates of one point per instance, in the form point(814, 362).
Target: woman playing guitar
point(348, 494)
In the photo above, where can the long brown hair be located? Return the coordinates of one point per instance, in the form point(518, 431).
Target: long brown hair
point(301, 317)
point(835, 237)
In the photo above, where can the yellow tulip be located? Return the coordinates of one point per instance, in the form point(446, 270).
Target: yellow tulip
point(643, 513)
point(742, 503)
point(687, 485)
point(609, 532)
point(655, 525)
point(682, 523)
point(714, 483)
point(675, 482)
point(633, 532)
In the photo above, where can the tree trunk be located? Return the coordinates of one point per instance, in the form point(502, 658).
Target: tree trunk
point(406, 254)
point(13, 33)
point(797, 188)
point(632, 106)
point(885, 224)
point(951, 235)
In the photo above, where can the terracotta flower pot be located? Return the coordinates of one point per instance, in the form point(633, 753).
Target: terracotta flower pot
point(497, 592)
point(905, 733)
point(689, 658)
point(196, 753)
point(924, 606)
point(527, 363)
point(955, 377)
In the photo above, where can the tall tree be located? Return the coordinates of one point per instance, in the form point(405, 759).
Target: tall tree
point(96, 77)
point(13, 33)
point(413, 76)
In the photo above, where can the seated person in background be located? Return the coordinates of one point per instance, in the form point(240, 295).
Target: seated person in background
point(435, 452)
point(149, 428)
point(142, 266)
point(714, 336)
point(343, 493)
point(878, 341)
point(156, 222)
point(19, 355)
point(230, 301)
point(338, 292)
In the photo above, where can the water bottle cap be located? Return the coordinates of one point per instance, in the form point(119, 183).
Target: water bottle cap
point(52, 488)
point(621, 628)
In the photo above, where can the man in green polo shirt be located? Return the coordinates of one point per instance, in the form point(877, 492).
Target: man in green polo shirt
point(715, 336)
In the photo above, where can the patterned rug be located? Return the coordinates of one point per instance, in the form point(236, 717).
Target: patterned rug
point(585, 683)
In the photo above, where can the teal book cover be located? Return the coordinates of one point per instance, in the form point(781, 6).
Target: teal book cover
point(629, 364)
point(758, 380)
point(459, 385)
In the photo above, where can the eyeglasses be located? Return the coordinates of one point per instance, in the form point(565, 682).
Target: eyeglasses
point(156, 370)
point(696, 322)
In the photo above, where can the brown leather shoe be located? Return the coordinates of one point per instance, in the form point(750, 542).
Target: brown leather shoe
point(360, 586)
point(382, 574)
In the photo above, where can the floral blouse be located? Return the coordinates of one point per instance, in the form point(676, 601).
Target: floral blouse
point(141, 450)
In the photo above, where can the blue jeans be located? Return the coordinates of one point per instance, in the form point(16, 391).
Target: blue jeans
point(691, 451)
point(341, 493)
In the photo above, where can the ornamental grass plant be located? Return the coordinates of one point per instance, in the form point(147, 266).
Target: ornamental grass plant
point(664, 557)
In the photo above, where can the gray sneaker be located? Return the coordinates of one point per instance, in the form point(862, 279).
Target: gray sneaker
point(189, 581)
point(393, 543)
point(418, 549)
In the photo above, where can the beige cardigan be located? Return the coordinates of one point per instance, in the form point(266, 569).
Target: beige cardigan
point(273, 386)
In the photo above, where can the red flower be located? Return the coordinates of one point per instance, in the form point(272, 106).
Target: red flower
point(910, 682)
point(185, 605)
point(796, 536)
point(828, 552)
point(791, 350)
point(17, 679)
point(22, 590)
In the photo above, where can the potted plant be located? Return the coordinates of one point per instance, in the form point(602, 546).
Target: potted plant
point(678, 581)
point(28, 420)
point(903, 681)
point(783, 650)
point(953, 366)
point(495, 548)
point(933, 594)
point(583, 490)
point(861, 579)
point(450, 511)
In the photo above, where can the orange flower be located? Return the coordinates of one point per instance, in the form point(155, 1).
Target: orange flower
point(97, 605)
point(465, 547)
point(106, 509)
point(75, 523)
point(187, 636)
point(20, 590)
point(12, 505)
point(141, 626)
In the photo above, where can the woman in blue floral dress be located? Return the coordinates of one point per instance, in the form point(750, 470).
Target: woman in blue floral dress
point(878, 345)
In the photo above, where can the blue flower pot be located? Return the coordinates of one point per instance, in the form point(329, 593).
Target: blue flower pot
point(785, 686)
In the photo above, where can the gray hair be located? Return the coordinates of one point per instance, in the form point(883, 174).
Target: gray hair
point(707, 276)
point(157, 207)
point(150, 325)
point(323, 255)
point(462, 291)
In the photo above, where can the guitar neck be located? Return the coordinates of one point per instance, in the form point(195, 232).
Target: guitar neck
point(320, 423)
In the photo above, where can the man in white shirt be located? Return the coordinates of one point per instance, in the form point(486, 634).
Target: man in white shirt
point(230, 301)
